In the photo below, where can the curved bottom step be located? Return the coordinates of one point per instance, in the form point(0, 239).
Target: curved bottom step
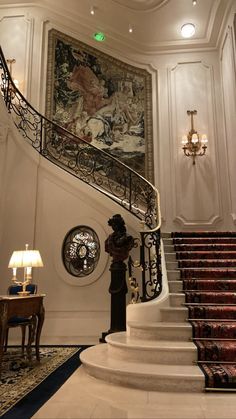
point(161, 330)
point(176, 378)
point(121, 346)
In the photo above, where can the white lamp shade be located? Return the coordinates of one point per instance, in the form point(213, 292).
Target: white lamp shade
point(16, 259)
point(204, 139)
point(194, 138)
point(25, 258)
point(184, 139)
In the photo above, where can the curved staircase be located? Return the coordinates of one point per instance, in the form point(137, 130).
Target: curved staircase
point(157, 355)
point(180, 352)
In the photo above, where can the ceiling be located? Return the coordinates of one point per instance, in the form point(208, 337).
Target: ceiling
point(156, 24)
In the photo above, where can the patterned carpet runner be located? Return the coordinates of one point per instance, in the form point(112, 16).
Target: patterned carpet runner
point(207, 262)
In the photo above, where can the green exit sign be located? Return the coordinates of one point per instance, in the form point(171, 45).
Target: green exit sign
point(99, 36)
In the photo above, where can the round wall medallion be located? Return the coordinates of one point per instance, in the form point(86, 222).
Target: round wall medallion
point(81, 251)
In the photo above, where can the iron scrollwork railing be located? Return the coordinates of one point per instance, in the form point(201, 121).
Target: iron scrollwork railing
point(98, 169)
point(149, 264)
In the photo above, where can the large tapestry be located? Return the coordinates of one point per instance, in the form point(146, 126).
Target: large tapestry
point(102, 100)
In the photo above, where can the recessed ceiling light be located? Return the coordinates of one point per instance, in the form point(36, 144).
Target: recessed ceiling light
point(188, 30)
point(92, 11)
point(194, 2)
point(99, 36)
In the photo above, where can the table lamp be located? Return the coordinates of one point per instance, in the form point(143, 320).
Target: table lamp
point(26, 259)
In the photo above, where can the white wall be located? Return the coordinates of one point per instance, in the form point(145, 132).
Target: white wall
point(192, 197)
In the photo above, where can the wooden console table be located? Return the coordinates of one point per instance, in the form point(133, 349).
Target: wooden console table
point(13, 305)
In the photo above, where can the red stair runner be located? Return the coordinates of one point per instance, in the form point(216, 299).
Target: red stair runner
point(207, 262)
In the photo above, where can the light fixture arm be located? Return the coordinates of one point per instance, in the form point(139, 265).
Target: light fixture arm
point(191, 113)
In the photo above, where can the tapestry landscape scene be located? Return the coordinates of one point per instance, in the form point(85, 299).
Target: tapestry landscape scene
point(100, 99)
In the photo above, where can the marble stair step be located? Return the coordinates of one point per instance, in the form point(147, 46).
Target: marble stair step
point(172, 265)
point(168, 241)
point(174, 331)
point(177, 299)
point(175, 286)
point(121, 346)
point(170, 256)
point(146, 376)
point(169, 248)
point(173, 275)
point(174, 314)
point(166, 236)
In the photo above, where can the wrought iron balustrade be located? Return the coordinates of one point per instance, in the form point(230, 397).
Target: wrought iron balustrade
point(98, 169)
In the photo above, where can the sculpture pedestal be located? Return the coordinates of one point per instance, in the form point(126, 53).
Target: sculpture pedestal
point(118, 290)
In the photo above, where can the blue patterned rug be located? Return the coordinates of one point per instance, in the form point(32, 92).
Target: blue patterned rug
point(25, 387)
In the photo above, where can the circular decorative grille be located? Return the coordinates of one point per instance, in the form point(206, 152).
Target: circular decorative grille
point(81, 251)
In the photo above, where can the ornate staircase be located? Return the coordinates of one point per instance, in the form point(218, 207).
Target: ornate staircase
point(156, 355)
point(163, 355)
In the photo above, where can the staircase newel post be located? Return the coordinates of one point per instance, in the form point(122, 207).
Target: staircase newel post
point(118, 290)
point(118, 244)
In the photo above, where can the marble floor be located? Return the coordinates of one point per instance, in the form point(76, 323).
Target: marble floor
point(83, 397)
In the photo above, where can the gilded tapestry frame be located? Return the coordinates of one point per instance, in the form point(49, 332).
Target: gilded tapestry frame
point(141, 161)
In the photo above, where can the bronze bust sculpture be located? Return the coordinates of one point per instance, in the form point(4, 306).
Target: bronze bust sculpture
point(118, 244)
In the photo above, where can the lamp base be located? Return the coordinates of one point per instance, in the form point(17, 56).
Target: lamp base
point(23, 293)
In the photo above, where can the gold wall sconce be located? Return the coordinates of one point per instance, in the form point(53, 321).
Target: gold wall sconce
point(10, 62)
point(193, 146)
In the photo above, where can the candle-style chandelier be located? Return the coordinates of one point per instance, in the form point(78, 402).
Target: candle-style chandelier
point(193, 146)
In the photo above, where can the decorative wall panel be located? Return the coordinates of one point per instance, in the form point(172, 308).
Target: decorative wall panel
point(228, 72)
point(16, 41)
point(195, 187)
point(102, 100)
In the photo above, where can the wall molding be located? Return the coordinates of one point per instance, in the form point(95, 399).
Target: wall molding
point(180, 76)
point(213, 221)
point(228, 47)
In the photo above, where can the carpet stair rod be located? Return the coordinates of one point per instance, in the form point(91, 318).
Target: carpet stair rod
point(208, 304)
point(213, 339)
point(205, 291)
point(212, 320)
point(225, 390)
point(213, 362)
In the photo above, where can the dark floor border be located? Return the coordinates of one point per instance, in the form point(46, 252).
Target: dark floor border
point(28, 405)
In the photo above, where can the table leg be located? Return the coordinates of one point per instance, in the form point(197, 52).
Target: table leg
point(3, 328)
point(40, 316)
